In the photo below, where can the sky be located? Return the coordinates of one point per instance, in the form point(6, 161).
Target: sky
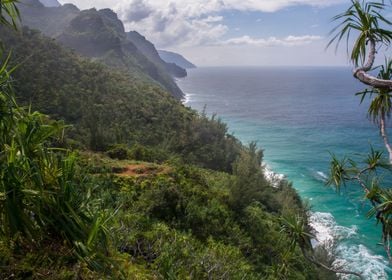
point(235, 32)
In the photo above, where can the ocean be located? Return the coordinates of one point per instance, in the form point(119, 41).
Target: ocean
point(298, 116)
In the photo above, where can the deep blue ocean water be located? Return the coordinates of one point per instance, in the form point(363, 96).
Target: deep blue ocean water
point(298, 116)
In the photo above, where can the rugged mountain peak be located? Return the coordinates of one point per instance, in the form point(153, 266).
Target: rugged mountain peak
point(49, 20)
point(149, 50)
point(113, 20)
point(100, 34)
point(91, 34)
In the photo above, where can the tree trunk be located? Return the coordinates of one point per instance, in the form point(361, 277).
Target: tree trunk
point(336, 271)
point(361, 72)
point(384, 136)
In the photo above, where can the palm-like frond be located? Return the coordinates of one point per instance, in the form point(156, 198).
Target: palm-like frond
point(297, 230)
point(362, 18)
point(381, 104)
point(9, 13)
point(375, 160)
point(40, 190)
point(339, 172)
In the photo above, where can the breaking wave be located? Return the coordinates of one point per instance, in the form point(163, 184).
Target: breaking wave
point(357, 258)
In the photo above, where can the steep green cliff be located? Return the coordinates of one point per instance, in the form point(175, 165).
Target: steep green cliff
point(96, 34)
point(134, 185)
point(151, 53)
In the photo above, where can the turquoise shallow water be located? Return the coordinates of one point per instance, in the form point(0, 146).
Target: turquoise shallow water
point(298, 116)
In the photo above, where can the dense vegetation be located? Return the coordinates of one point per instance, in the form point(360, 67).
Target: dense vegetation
point(195, 204)
point(107, 107)
point(369, 23)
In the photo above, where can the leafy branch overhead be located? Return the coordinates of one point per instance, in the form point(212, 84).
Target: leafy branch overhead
point(207, 211)
point(368, 174)
point(366, 23)
point(9, 13)
point(372, 31)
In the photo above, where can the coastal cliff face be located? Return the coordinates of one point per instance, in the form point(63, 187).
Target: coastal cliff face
point(100, 35)
point(50, 21)
point(149, 50)
point(172, 57)
point(135, 185)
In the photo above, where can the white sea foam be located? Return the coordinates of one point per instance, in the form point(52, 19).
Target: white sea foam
point(322, 175)
point(360, 259)
point(271, 176)
point(318, 175)
point(334, 237)
point(356, 258)
point(327, 231)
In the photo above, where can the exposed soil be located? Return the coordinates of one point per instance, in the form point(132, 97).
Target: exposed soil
point(138, 170)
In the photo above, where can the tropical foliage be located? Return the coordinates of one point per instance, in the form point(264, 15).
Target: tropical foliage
point(372, 31)
point(364, 18)
point(82, 215)
point(9, 13)
point(107, 107)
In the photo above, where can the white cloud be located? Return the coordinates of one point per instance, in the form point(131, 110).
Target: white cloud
point(275, 5)
point(196, 29)
point(138, 10)
point(272, 41)
point(213, 19)
point(188, 22)
point(173, 23)
point(199, 7)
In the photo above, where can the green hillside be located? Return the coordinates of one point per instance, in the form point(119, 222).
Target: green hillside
point(121, 181)
point(107, 107)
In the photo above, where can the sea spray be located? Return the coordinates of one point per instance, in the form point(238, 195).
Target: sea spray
point(357, 258)
point(332, 237)
point(273, 178)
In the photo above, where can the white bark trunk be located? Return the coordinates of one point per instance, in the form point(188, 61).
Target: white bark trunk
point(361, 72)
point(384, 136)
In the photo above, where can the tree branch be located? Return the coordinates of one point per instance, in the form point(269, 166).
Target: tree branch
point(312, 260)
point(385, 136)
point(361, 74)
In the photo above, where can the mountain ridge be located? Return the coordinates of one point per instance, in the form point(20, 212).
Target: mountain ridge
point(176, 58)
point(149, 50)
point(100, 35)
point(139, 186)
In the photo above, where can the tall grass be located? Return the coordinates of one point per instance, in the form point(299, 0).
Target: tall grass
point(43, 196)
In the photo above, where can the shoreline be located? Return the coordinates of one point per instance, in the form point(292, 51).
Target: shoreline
point(333, 238)
point(341, 242)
